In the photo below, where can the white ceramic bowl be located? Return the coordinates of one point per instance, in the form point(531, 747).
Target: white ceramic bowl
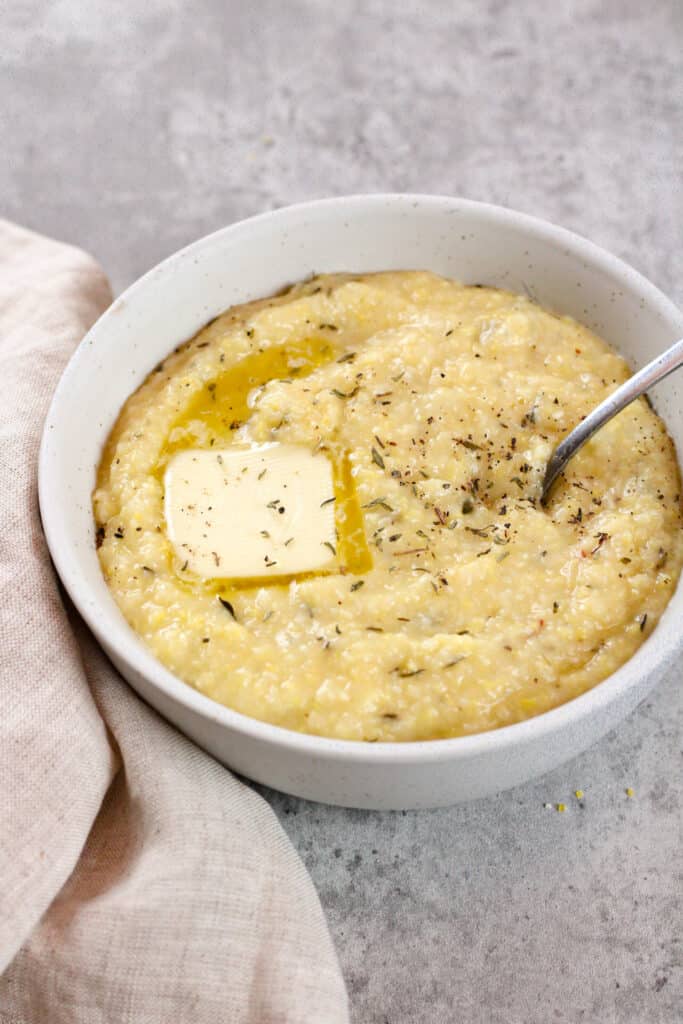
point(470, 241)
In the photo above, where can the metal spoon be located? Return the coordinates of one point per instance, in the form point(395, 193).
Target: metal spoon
point(635, 386)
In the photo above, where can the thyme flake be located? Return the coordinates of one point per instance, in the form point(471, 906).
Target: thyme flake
point(228, 607)
point(345, 394)
point(379, 503)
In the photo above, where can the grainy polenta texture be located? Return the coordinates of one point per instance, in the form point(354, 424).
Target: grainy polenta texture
point(457, 603)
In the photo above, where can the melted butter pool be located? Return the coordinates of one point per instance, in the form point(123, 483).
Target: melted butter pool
point(215, 415)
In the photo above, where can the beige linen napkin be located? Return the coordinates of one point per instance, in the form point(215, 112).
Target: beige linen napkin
point(139, 881)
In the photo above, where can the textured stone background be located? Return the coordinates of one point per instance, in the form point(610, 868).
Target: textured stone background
point(132, 129)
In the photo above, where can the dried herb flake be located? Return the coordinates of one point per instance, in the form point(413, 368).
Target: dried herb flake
point(228, 607)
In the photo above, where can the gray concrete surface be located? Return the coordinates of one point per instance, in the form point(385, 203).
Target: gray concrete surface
point(132, 129)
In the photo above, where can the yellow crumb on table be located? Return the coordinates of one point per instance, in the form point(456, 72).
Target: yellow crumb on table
point(630, 792)
point(561, 807)
point(578, 793)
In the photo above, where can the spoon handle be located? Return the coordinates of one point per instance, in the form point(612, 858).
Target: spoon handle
point(635, 386)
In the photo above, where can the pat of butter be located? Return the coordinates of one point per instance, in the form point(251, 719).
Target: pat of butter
point(250, 511)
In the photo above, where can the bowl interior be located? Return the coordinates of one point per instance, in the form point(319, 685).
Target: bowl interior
point(473, 242)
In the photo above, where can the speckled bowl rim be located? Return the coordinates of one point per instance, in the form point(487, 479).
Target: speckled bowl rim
point(649, 659)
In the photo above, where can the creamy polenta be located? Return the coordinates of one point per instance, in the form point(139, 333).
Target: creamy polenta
point(453, 601)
